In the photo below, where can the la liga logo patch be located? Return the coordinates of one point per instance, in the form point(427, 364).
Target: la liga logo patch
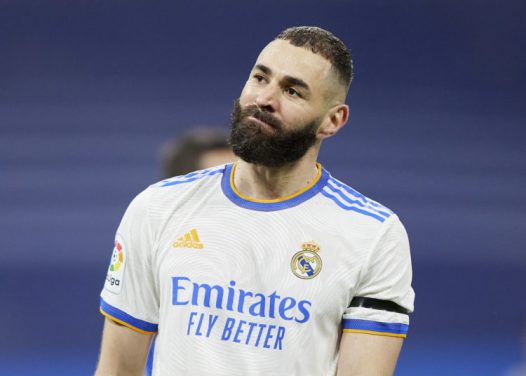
point(116, 268)
point(117, 258)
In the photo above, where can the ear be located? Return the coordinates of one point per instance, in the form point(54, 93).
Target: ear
point(335, 119)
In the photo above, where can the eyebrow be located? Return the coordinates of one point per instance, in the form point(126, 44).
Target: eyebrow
point(287, 80)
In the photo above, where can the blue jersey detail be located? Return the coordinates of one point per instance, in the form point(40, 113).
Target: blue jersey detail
point(342, 197)
point(346, 206)
point(148, 371)
point(123, 316)
point(306, 266)
point(375, 326)
point(363, 201)
point(193, 176)
point(271, 206)
point(340, 194)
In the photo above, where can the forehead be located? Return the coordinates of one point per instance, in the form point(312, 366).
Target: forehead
point(284, 59)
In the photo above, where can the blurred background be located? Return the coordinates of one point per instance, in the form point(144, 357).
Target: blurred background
point(89, 90)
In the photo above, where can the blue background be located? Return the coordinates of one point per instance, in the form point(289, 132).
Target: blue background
point(90, 89)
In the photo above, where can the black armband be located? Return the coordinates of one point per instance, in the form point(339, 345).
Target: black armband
point(383, 305)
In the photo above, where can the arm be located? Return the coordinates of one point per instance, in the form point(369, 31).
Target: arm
point(368, 355)
point(376, 321)
point(123, 351)
point(129, 299)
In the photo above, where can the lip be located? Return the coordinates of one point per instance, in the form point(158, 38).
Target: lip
point(260, 122)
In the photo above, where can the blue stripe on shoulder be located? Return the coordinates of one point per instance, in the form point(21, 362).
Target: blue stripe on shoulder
point(339, 192)
point(193, 176)
point(346, 206)
point(358, 195)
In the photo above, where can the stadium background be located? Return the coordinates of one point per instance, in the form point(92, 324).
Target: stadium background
point(90, 89)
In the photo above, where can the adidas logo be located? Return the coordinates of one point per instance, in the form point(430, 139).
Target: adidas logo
point(189, 240)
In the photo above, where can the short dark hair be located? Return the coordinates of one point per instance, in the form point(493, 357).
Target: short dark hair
point(181, 156)
point(326, 44)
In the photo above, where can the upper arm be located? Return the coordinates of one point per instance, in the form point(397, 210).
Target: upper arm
point(129, 299)
point(376, 321)
point(368, 355)
point(123, 350)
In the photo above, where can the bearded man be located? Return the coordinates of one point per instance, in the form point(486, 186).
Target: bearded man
point(269, 265)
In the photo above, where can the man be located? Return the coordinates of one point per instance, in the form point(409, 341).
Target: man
point(268, 266)
point(196, 150)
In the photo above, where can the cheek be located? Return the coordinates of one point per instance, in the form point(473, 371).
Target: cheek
point(296, 114)
point(247, 95)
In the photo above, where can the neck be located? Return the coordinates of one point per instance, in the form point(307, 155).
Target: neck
point(270, 183)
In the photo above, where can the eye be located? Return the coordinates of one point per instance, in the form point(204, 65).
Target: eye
point(290, 91)
point(258, 77)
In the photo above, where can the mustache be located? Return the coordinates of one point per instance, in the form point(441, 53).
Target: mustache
point(264, 116)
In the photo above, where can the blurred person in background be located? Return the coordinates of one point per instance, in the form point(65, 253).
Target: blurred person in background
point(195, 150)
point(269, 265)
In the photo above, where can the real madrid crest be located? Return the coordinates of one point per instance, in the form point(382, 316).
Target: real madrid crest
point(306, 264)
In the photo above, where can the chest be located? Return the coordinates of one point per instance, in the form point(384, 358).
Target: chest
point(233, 259)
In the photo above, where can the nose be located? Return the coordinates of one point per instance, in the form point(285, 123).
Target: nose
point(267, 98)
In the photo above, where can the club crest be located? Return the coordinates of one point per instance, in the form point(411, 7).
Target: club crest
point(306, 264)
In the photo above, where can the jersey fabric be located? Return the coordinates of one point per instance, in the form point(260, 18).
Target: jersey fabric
point(237, 286)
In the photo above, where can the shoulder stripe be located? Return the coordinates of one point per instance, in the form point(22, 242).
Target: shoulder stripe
point(346, 206)
point(364, 203)
point(358, 195)
point(193, 176)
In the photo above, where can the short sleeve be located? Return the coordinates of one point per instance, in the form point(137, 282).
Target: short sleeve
point(384, 296)
point(130, 293)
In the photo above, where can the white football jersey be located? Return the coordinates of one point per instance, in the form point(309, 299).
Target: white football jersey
point(237, 286)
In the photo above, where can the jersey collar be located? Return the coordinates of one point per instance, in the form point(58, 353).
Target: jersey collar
point(230, 191)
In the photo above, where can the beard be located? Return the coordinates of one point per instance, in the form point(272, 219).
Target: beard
point(274, 147)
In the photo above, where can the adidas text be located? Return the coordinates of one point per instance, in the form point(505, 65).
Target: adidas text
point(187, 244)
